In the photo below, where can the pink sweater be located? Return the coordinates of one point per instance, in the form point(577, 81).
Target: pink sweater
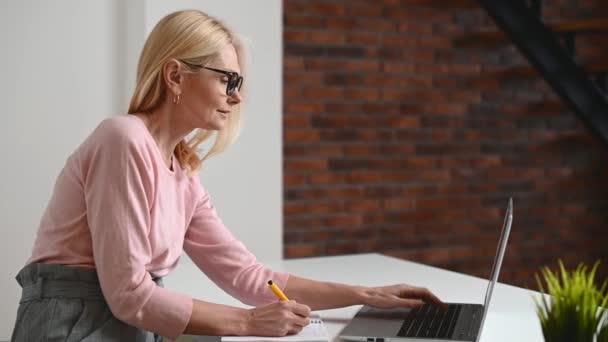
point(116, 207)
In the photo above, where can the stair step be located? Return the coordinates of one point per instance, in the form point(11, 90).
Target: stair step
point(493, 38)
point(567, 142)
point(527, 71)
point(546, 108)
point(452, 4)
point(581, 26)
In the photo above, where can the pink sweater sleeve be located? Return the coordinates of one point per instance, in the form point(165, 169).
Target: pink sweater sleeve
point(118, 187)
point(225, 260)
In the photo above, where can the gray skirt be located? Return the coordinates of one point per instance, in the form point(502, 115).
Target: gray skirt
point(62, 303)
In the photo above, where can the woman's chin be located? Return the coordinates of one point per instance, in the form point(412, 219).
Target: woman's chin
point(217, 125)
point(213, 125)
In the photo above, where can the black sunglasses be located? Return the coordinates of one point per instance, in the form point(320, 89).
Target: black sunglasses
point(234, 80)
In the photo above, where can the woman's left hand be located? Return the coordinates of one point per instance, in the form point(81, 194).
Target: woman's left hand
point(400, 295)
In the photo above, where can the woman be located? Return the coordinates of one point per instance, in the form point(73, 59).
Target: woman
point(128, 201)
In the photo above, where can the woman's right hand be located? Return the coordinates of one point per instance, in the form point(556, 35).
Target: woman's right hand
point(278, 319)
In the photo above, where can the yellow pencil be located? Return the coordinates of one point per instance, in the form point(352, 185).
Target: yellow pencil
point(277, 291)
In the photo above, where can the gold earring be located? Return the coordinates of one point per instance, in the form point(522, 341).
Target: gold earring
point(176, 99)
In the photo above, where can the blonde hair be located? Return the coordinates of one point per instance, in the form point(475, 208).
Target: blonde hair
point(194, 37)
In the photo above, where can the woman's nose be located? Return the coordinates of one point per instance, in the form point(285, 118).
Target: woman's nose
point(235, 97)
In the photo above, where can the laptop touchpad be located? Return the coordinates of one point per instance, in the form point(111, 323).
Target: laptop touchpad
point(374, 322)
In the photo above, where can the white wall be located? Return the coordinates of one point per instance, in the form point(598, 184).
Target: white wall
point(68, 64)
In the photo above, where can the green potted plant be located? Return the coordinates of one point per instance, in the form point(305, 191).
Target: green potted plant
point(575, 309)
point(602, 336)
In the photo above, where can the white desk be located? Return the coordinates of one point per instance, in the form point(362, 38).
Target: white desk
point(512, 315)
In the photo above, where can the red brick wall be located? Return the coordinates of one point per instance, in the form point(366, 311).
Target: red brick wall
point(399, 141)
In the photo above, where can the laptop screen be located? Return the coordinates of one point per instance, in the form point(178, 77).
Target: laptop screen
point(500, 253)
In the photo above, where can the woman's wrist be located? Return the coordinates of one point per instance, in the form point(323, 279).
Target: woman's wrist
point(244, 323)
point(358, 294)
point(216, 319)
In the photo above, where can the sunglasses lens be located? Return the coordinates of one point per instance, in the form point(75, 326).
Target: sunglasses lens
point(233, 84)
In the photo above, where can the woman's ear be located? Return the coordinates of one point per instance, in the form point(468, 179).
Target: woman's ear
point(173, 76)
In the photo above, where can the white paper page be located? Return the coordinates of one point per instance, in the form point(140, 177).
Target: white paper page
point(315, 331)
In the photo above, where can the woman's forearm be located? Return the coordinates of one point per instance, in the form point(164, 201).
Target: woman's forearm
point(217, 320)
point(322, 295)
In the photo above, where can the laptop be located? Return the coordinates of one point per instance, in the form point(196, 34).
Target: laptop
point(460, 322)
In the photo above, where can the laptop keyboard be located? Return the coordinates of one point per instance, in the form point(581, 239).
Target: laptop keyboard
point(430, 321)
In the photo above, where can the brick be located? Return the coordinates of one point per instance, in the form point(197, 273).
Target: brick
point(373, 219)
point(376, 135)
point(301, 135)
point(363, 38)
point(301, 49)
point(446, 108)
point(326, 37)
point(293, 62)
point(416, 29)
point(374, 126)
point(342, 108)
point(296, 36)
point(329, 207)
point(375, 108)
point(294, 20)
point(353, 150)
point(397, 67)
point(376, 24)
point(405, 122)
point(302, 151)
point(339, 135)
point(304, 108)
point(360, 65)
point(322, 63)
point(361, 94)
point(327, 178)
point(292, 91)
point(306, 165)
point(464, 96)
point(399, 204)
point(399, 149)
point(381, 80)
point(294, 180)
point(328, 9)
point(303, 223)
point(373, 11)
point(362, 206)
point(298, 209)
point(329, 121)
point(342, 220)
point(344, 51)
point(345, 192)
point(337, 248)
point(399, 40)
point(342, 23)
point(327, 93)
point(302, 250)
point(435, 43)
point(306, 194)
point(303, 78)
point(364, 177)
point(314, 236)
point(295, 208)
point(299, 121)
point(403, 14)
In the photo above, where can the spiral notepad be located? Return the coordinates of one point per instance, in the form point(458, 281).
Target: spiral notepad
point(314, 332)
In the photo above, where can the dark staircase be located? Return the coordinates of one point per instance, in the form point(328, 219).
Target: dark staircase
point(550, 49)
